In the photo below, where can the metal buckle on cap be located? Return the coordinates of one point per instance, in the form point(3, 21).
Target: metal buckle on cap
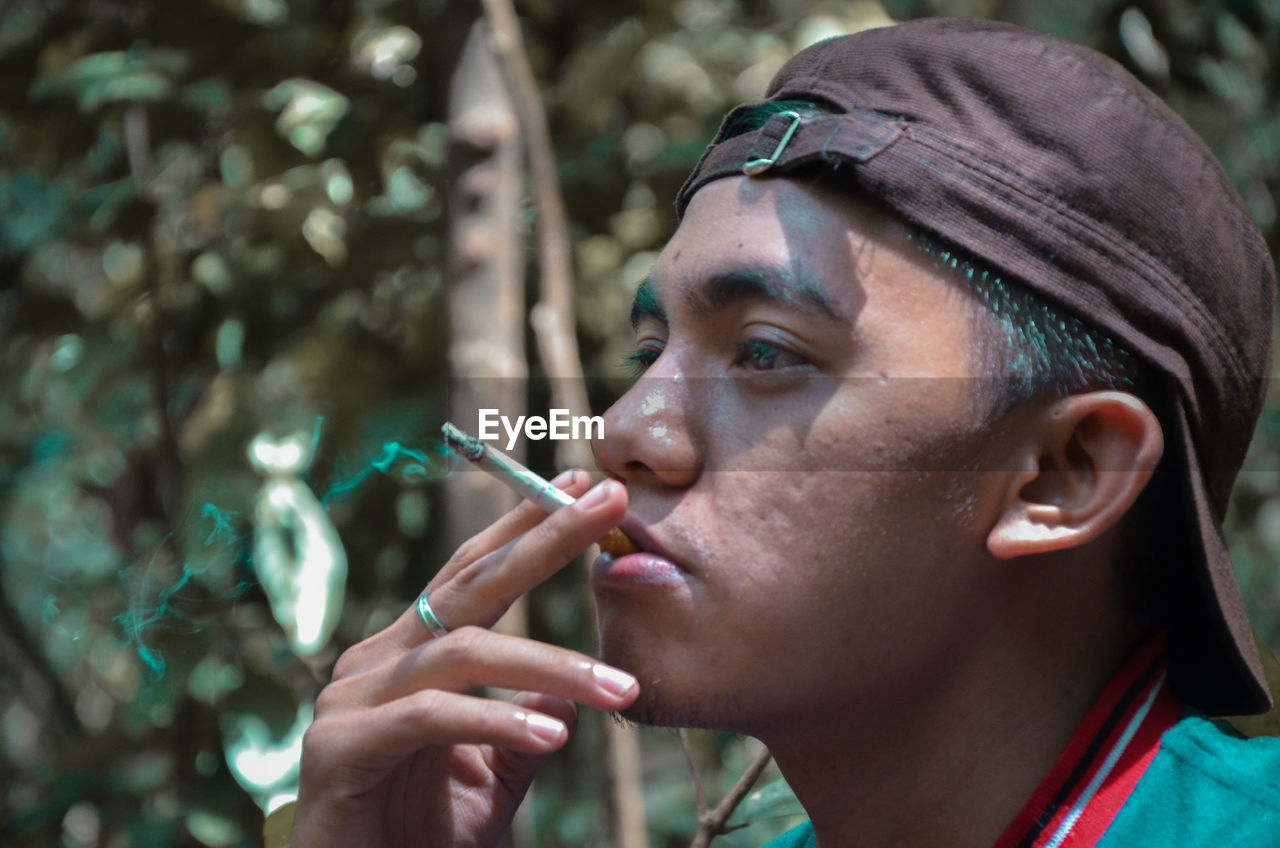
point(755, 167)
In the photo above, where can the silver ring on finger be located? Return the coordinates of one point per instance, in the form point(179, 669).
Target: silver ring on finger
point(428, 616)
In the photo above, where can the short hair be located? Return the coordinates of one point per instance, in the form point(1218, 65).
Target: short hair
point(1032, 348)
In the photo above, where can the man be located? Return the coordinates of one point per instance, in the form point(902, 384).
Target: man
point(946, 375)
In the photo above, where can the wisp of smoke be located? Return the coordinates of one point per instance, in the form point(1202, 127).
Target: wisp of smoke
point(228, 543)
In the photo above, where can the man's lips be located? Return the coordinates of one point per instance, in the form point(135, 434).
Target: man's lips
point(650, 566)
point(642, 568)
point(645, 540)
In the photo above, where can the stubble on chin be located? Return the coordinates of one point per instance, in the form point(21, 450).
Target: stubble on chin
point(666, 700)
point(653, 711)
point(652, 707)
point(650, 710)
point(660, 706)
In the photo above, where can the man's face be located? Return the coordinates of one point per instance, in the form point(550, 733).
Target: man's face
point(796, 447)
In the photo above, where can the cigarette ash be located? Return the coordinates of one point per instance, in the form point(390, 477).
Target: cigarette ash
point(468, 446)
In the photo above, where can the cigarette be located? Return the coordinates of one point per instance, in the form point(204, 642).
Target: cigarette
point(526, 483)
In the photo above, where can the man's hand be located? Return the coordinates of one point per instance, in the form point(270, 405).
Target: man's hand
point(399, 753)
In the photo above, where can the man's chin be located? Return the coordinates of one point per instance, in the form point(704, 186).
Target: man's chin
point(666, 697)
point(652, 711)
point(653, 706)
point(637, 715)
point(660, 704)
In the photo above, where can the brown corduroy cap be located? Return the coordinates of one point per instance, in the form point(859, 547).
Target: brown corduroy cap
point(1053, 165)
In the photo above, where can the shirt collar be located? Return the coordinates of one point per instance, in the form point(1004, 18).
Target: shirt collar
point(1107, 755)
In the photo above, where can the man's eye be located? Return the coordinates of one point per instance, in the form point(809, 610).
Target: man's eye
point(639, 362)
point(758, 355)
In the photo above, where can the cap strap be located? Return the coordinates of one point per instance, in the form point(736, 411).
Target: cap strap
point(788, 140)
point(757, 165)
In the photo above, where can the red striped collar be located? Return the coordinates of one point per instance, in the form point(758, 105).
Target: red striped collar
point(1101, 765)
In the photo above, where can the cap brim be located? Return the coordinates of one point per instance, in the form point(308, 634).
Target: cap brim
point(1266, 724)
point(1214, 661)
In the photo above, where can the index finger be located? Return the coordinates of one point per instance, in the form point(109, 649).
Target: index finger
point(480, 591)
point(519, 519)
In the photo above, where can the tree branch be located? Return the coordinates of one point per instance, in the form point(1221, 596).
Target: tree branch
point(712, 824)
point(552, 316)
point(699, 793)
point(60, 704)
point(137, 137)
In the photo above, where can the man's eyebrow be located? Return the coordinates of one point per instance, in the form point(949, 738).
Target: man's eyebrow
point(646, 305)
point(798, 291)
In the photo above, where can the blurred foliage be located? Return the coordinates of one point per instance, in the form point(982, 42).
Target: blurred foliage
point(224, 218)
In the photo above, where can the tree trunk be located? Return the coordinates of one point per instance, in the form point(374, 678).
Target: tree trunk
point(486, 297)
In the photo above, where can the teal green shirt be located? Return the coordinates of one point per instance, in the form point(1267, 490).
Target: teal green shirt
point(800, 837)
point(1207, 787)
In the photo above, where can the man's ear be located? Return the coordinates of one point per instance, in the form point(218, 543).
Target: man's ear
point(1088, 457)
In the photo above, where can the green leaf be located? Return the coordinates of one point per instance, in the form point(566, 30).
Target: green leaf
point(104, 202)
point(211, 96)
point(771, 801)
point(32, 212)
point(264, 764)
point(138, 75)
point(308, 112)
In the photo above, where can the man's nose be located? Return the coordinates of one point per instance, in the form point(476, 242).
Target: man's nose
point(648, 438)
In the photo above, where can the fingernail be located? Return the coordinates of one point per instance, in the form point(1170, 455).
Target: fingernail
point(596, 496)
point(612, 680)
point(565, 478)
point(543, 727)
